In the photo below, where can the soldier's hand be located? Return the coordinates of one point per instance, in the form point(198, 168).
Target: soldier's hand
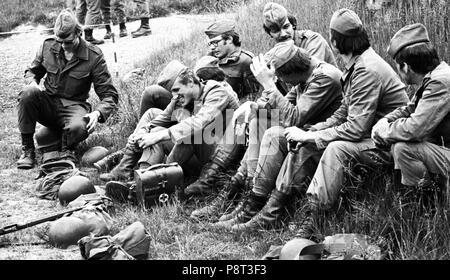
point(92, 119)
point(149, 139)
point(378, 130)
point(245, 112)
point(296, 134)
point(265, 76)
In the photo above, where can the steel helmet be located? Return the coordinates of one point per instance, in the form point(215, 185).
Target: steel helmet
point(291, 250)
point(67, 231)
point(93, 155)
point(73, 188)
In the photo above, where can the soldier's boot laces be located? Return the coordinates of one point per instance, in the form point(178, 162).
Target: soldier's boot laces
point(252, 205)
point(206, 182)
point(269, 217)
point(225, 197)
point(108, 162)
point(243, 184)
point(124, 170)
point(307, 226)
point(27, 159)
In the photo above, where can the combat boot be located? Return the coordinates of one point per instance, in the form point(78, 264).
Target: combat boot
point(27, 159)
point(123, 30)
point(230, 193)
point(107, 163)
point(270, 216)
point(205, 184)
point(124, 170)
point(108, 34)
point(252, 205)
point(309, 220)
point(88, 37)
point(238, 205)
point(143, 30)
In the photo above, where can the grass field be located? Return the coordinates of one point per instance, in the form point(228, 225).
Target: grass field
point(373, 207)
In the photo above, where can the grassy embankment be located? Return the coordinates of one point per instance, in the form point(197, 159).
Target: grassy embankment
point(373, 207)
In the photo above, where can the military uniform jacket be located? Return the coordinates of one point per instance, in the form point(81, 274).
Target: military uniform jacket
point(71, 81)
point(371, 90)
point(237, 68)
point(315, 45)
point(319, 99)
point(427, 116)
point(211, 107)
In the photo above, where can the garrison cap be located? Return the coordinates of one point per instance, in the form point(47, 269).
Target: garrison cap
point(66, 23)
point(220, 27)
point(346, 22)
point(206, 61)
point(274, 15)
point(408, 35)
point(170, 73)
point(281, 53)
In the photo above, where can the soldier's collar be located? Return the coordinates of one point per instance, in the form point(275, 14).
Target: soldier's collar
point(232, 57)
point(82, 51)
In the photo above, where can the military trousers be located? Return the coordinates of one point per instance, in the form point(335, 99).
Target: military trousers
point(142, 9)
point(191, 157)
point(154, 96)
point(88, 12)
point(35, 106)
point(417, 160)
point(329, 176)
point(118, 7)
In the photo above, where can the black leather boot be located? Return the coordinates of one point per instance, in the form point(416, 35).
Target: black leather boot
point(108, 34)
point(88, 37)
point(230, 193)
point(108, 162)
point(27, 159)
point(206, 183)
point(124, 170)
point(143, 30)
point(270, 216)
point(252, 205)
point(309, 220)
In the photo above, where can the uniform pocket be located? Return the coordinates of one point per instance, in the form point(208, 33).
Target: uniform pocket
point(78, 84)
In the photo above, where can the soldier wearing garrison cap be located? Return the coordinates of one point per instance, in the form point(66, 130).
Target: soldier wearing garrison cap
point(371, 91)
point(317, 91)
point(277, 23)
point(70, 65)
point(225, 45)
point(419, 132)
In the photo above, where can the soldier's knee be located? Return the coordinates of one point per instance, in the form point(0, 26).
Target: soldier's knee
point(47, 138)
point(400, 150)
point(29, 94)
point(337, 147)
point(152, 93)
point(77, 130)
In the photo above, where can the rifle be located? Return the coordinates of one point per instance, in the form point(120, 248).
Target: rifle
point(52, 217)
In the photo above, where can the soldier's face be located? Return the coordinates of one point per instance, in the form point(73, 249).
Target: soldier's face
point(70, 43)
point(186, 93)
point(219, 46)
point(405, 73)
point(292, 78)
point(286, 32)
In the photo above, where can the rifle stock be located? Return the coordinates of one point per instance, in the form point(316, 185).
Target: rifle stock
point(16, 227)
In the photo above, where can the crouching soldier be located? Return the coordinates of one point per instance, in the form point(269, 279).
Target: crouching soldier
point(71, 65)
point(183, 128)
point(419, 132)
point(372, 90)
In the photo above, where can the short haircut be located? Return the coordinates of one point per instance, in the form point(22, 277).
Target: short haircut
point(422, 57)
point(234, 36)
point(299, 63)
point(211, 73)
point(351, 44)
point(188, 75)
point(275, 28)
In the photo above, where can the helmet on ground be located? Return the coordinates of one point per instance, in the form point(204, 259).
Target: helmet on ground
point(94, 154)
point(292, 249)
point(67, 231)
point(73, 188)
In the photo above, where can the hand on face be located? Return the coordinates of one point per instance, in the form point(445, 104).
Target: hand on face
point(265, 76)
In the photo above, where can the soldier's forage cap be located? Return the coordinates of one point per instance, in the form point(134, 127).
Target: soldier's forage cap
point(220, 27)
point(408, 35)
point(206, 61)
point(280, 54)
point(170, 73)
point(346, 22)
point(66, 23)
point(274, 15)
